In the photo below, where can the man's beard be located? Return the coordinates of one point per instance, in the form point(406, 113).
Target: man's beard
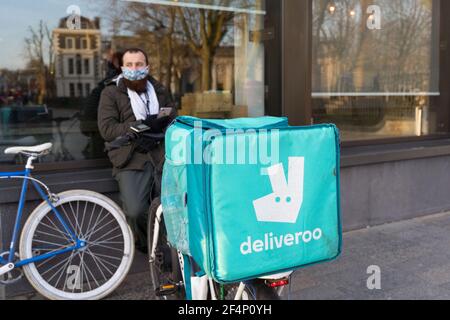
point(139, 86)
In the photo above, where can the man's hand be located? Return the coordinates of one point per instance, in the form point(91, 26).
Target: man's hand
point(157, 125)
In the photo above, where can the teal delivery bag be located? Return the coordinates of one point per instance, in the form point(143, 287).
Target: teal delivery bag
point(252, 197)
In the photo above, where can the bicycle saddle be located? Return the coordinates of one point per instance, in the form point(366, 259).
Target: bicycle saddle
point(37, 150)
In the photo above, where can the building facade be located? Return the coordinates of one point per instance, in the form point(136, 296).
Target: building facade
point(77, 58)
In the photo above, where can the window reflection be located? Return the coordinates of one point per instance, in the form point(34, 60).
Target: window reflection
point(209, 54)
point(376, 66)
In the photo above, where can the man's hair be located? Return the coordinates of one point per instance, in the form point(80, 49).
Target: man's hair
point(134, 50)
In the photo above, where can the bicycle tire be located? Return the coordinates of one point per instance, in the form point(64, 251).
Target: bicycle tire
point(167, 257)
point(36, 237)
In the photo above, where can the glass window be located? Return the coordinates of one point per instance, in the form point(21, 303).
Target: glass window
point(375, 67)
point(72, 90)
point(80, 89)
point(71, 65)
point(208, 53)
point(84, 43)
point(78, 63)
point(86, 66)
point(69, 43)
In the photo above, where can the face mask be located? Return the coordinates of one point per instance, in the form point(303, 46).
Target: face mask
point(135, 75)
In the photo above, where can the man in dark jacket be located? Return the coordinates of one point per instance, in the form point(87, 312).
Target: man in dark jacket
point(130, 99)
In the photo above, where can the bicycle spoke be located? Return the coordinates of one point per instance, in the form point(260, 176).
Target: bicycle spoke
point(107, 256)
point(93, 277)
point(47, 242)
point(48, 249)
point(51, 258)
point(55, 266)
point(102, 258)
point(49, 234)
point(88, 224)
point(75, 216)
point(82, 219)
point(98, 267)
point(62, 271)
point(67, 217)
point(97, 222)
point(104, 235)
point(55, 228)
point(64, 267)
point(88, 232)
point(82, 267)
point(90, 220)
point(106, 247)
point(106, 241)
point(95, 231)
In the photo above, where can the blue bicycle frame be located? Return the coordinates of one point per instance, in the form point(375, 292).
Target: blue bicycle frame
point(26, 175)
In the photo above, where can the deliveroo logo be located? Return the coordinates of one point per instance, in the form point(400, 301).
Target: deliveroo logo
point(283, 205)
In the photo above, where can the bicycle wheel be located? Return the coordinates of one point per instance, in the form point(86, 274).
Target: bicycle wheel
point(165, 269)
point(92, 272)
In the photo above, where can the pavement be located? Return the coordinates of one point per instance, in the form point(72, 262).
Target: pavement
point(412, 257)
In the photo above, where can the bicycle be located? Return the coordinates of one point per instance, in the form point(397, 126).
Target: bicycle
point(167, 265)
point(169, 279)
point(186, 258)
point(74, 245)
point(217, 232)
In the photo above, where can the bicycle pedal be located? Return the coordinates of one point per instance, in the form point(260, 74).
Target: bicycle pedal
point(167, 290)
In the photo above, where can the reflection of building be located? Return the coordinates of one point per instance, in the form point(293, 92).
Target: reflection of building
point(78, 58)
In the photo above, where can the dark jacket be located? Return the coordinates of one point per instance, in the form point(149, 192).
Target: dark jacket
point(115, 117)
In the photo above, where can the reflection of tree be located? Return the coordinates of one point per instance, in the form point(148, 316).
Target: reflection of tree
point(39, 49)
point(178, 28)
point(181, 32)
point(204, 31)
point(156, 25)
point(409, 42)
point(397, 55)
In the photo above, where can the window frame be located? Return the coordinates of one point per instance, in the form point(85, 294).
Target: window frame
point(72, 39)
point(71, 66)
point(272, 106)
point(72, 90)
point(86, 66)
point(297, 70)
point(84, 43)
point(78, 65)
point(288, 26)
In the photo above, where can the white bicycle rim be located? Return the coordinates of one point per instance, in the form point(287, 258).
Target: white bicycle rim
point(41, 211)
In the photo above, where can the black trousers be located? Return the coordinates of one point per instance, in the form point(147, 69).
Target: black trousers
point(135, 192)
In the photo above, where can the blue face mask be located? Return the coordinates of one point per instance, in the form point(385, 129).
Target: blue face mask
point(135, 75)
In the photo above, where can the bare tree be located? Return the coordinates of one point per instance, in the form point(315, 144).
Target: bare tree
point(39, 49)
point(174, 32)
point(204, 31)
point(156, 24)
